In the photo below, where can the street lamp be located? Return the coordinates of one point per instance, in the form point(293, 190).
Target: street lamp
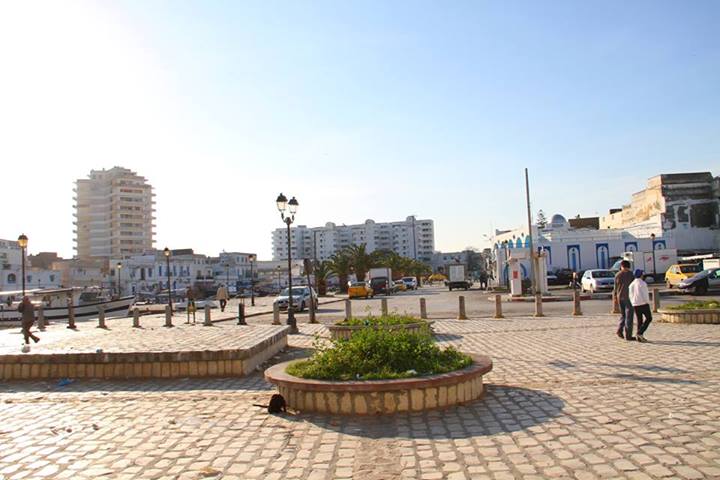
point(292, 206)
point(652, 236)
point(252, 280)
point(23, 241)
point(166, 252)
point(227, 276)
point(278, 269)
point(119, 270)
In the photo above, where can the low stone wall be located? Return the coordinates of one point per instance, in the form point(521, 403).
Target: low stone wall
point(345, 331)
point(706, 315)
point(381, 397)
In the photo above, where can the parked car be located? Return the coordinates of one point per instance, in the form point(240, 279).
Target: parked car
point(410, 282)
point(679, 272)
point(552, 279)
point(379, 285)
point(597, 280)
point(399, 286)
point(302, 296)
point(360, 290)
point(702, 282)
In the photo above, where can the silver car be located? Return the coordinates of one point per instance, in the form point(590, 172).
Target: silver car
point(302, 296)
point(597, 280)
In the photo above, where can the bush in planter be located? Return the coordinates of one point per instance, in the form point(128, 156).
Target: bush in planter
point(385, 320)
point(696, 305)
point(376, 354)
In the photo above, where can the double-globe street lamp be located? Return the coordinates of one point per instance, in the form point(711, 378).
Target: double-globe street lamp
point(291, 207)
point(23, 241)
point(166, 252)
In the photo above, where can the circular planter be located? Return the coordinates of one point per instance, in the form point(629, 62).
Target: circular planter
point(345, 331)
point(701, 315)
point(381, 397)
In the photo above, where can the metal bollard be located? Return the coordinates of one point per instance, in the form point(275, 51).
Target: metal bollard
point(538, 305)
point(423, 309)
point(498, 307)
point(577, 310)
point(383, 306)
point(241, 314)
point(615, 304)
point(136, 317)
point(656, 299)
point(348, 309)
point(276, 314)
point(71, 314)
point(311, 311)
point(461, 308)
point(168, 316)
point(208, 320)
point(101, 317)
point(41, 317)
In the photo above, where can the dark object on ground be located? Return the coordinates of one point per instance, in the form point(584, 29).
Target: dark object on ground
point(277, 404)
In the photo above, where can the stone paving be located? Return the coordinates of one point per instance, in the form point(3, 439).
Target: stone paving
point(566, 399)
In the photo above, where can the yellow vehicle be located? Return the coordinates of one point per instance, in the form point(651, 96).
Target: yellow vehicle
point(679, 272)
point(399, 286)
point(360, 290)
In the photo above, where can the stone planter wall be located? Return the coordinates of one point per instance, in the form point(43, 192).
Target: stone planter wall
point(690, 316)
point(381, 397)
point(345, 331)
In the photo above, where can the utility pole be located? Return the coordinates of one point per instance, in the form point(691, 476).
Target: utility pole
point(533, 286)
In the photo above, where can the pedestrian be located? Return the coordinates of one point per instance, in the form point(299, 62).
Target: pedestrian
point(623, 279)
point(222, 296)
point(190, 295)
point(27, 310)
point(640, 299)
point(483, 280)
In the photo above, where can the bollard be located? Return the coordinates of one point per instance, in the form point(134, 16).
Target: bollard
point(383, 306)
point(615, 304)
point(241, 314)
point(101, 317)
point(276, 314)
point(189, 306)
point(656, 299)
point(538, 305)
point(311, 311)
point(208, 321)
point(423, 309)
point(461, 308)
point(136, 317)
point(577, 310)
point(71, 314)
point(168, 316)
point(498, 307)
point(41, 317)
point(348, 309)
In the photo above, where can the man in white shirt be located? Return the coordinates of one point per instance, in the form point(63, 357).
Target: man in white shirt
point(640, 300)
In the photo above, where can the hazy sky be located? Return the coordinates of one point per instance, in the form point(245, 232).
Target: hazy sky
point(359, 109)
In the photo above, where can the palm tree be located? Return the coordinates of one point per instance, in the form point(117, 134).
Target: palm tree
point(340, 264)
point(360, 260)
point(322, 269)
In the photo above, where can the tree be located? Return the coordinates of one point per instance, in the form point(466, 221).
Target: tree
point(322, 269)
point(541, 220)
point(340, 263)
point(360, 260)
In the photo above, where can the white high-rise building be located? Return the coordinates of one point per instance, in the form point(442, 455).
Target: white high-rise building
point(114, 214)
point(410, 238)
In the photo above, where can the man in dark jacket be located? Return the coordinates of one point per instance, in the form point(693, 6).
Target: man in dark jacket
point(27, 310)
point(623, 279)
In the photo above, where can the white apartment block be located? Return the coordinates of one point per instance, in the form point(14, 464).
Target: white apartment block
point(410, 238)
point(113, 214)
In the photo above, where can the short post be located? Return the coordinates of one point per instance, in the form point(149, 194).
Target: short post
point(656, 299)
point(615, 304)
point(188, 311)
point(461, 308)
point(383, 306)
point(276, 314)
point(577, 310)
point(498, 307)
point(208, 321)
point(101, 317)
point(41, 317)
point(311, 311)
point(538, 305)
point(348, 309)
point(423, 309)
point(168, 316)
point(71, 314)
point(136, 317)
point(241, 314)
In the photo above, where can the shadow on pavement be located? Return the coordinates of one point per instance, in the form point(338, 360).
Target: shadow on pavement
point(686, 343)
point(641, 378)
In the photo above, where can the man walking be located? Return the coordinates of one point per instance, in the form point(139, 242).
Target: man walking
point(640, 299)
point(222, 296)
point(27, 309)
point(623, 279)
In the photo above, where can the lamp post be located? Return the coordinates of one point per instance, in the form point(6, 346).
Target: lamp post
point(23, 241)
point(118, 267)
point(227, 276)
point(166, 252)
point(277, 270)
point(252, 280)
point(652, 236)
point(292, 206)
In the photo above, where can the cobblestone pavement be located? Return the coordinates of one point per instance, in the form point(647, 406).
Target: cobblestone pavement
point(566, 399)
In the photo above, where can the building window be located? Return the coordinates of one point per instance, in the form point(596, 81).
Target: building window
point(11, 278)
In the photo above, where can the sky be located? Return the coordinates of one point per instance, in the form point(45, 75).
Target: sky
point(359, 109)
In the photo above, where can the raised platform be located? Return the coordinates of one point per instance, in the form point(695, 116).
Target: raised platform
point(153, 351)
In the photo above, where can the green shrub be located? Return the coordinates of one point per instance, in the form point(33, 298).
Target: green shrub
point(696, 305)
point(376, 354)
point(389, 319)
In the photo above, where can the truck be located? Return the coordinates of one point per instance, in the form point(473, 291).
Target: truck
point(381, 280)
point(458, 276)
point(654, 268)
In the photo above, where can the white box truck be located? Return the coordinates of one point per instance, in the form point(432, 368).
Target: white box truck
point(654, 266)
point(381, 280)
point(458, 276)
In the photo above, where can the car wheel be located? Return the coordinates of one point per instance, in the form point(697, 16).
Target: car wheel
point(701, 290)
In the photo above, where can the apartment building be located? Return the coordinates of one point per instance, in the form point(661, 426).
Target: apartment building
point(114, 214)
point(412, 238)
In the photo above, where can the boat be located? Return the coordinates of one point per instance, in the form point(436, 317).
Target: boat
point(86, 303)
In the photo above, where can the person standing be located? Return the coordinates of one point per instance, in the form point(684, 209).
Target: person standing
point(640, 299)
point(623, 279)
point(222, 296)
point(27, 309)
